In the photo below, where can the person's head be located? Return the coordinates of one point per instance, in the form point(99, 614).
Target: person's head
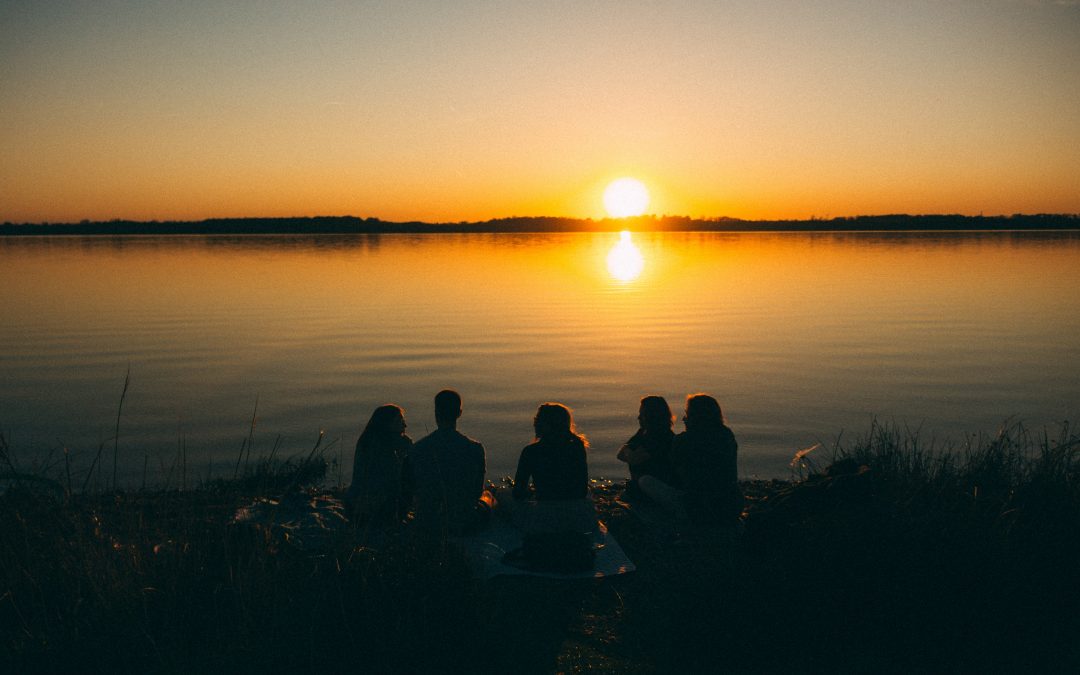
point(655, 414)
point(387, 420)
point(447, 408)
point(703, 412)
point(554, 421)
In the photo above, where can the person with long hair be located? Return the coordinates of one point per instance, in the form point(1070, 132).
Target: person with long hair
point(377, 496)
point(704, 459)
point(647, 452)
point(551, 484)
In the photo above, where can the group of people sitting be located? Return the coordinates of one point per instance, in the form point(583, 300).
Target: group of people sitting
point(441, 477)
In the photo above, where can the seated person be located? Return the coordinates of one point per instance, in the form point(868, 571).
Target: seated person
point(446, 469)
point(551, 484)
point(647, 452)
point(377, 496)
point(705, 488)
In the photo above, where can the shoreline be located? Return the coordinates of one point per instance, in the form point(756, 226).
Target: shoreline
point(893, 558)
point(351, 225)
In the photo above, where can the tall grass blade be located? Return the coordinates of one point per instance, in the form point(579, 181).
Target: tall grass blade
point(116, 434)
point(247, 442)
point(67, 470)
point(93, 465)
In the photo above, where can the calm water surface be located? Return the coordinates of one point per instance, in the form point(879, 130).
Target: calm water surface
point(800, 337)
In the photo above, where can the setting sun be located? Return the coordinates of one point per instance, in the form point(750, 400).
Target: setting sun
point(626, 197)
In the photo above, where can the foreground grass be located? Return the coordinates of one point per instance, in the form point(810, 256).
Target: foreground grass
point(930, 558)
point(962, 557)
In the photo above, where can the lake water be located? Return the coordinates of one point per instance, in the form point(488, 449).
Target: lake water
point(800, 337)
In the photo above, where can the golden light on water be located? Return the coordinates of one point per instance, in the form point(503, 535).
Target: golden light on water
point(626, 197)
point(625, 261)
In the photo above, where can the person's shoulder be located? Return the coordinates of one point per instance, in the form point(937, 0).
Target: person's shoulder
point(468, 439)
point(661, 436)
point(574, 446)
point(476, 445)
point(681, 444)
point(425, 442)
point(528, 455)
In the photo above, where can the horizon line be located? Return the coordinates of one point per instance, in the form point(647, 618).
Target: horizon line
point(643, 218)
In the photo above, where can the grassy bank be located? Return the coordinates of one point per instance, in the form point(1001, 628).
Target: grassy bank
point(892, 554)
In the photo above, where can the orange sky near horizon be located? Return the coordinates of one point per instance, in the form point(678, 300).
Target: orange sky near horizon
point(418, 111)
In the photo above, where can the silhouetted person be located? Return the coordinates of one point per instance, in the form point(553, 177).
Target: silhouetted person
point(551, 484)
point(377, 496)
point(447, 472)
point(705, 485)
point(648, 451)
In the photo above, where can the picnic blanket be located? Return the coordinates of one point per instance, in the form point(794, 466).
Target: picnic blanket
point(485, 551)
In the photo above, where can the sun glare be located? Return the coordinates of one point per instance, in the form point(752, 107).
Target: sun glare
point(626, 197)
point(625, 261)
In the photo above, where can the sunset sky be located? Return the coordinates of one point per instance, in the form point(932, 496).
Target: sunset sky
point(476, 110)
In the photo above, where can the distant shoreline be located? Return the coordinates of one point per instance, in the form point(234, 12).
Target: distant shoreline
point(355, 225)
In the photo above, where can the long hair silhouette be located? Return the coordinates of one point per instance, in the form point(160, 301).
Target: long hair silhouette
point(555, 422)
point(382, 425)
point(703, 412)
point(655, 413)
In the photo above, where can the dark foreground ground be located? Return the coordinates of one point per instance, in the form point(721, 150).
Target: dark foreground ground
point(896, 559)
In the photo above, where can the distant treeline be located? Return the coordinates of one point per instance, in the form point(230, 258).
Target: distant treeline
point(354, 225)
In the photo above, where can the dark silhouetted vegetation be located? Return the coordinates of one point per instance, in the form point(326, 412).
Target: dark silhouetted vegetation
point(895, 555)
point(354, 225)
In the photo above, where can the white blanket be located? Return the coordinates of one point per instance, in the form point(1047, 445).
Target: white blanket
point(485, 551)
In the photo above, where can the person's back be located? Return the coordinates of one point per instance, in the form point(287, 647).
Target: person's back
point(377, 468)
point(558, 468)
point(377, 494)
point(656, 444)
point(705, 462)
point(550, 501)
point(448, 478)
point(446, 470)
point(648, 451)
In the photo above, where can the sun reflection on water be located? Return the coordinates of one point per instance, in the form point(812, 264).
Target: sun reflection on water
point(625, 261)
